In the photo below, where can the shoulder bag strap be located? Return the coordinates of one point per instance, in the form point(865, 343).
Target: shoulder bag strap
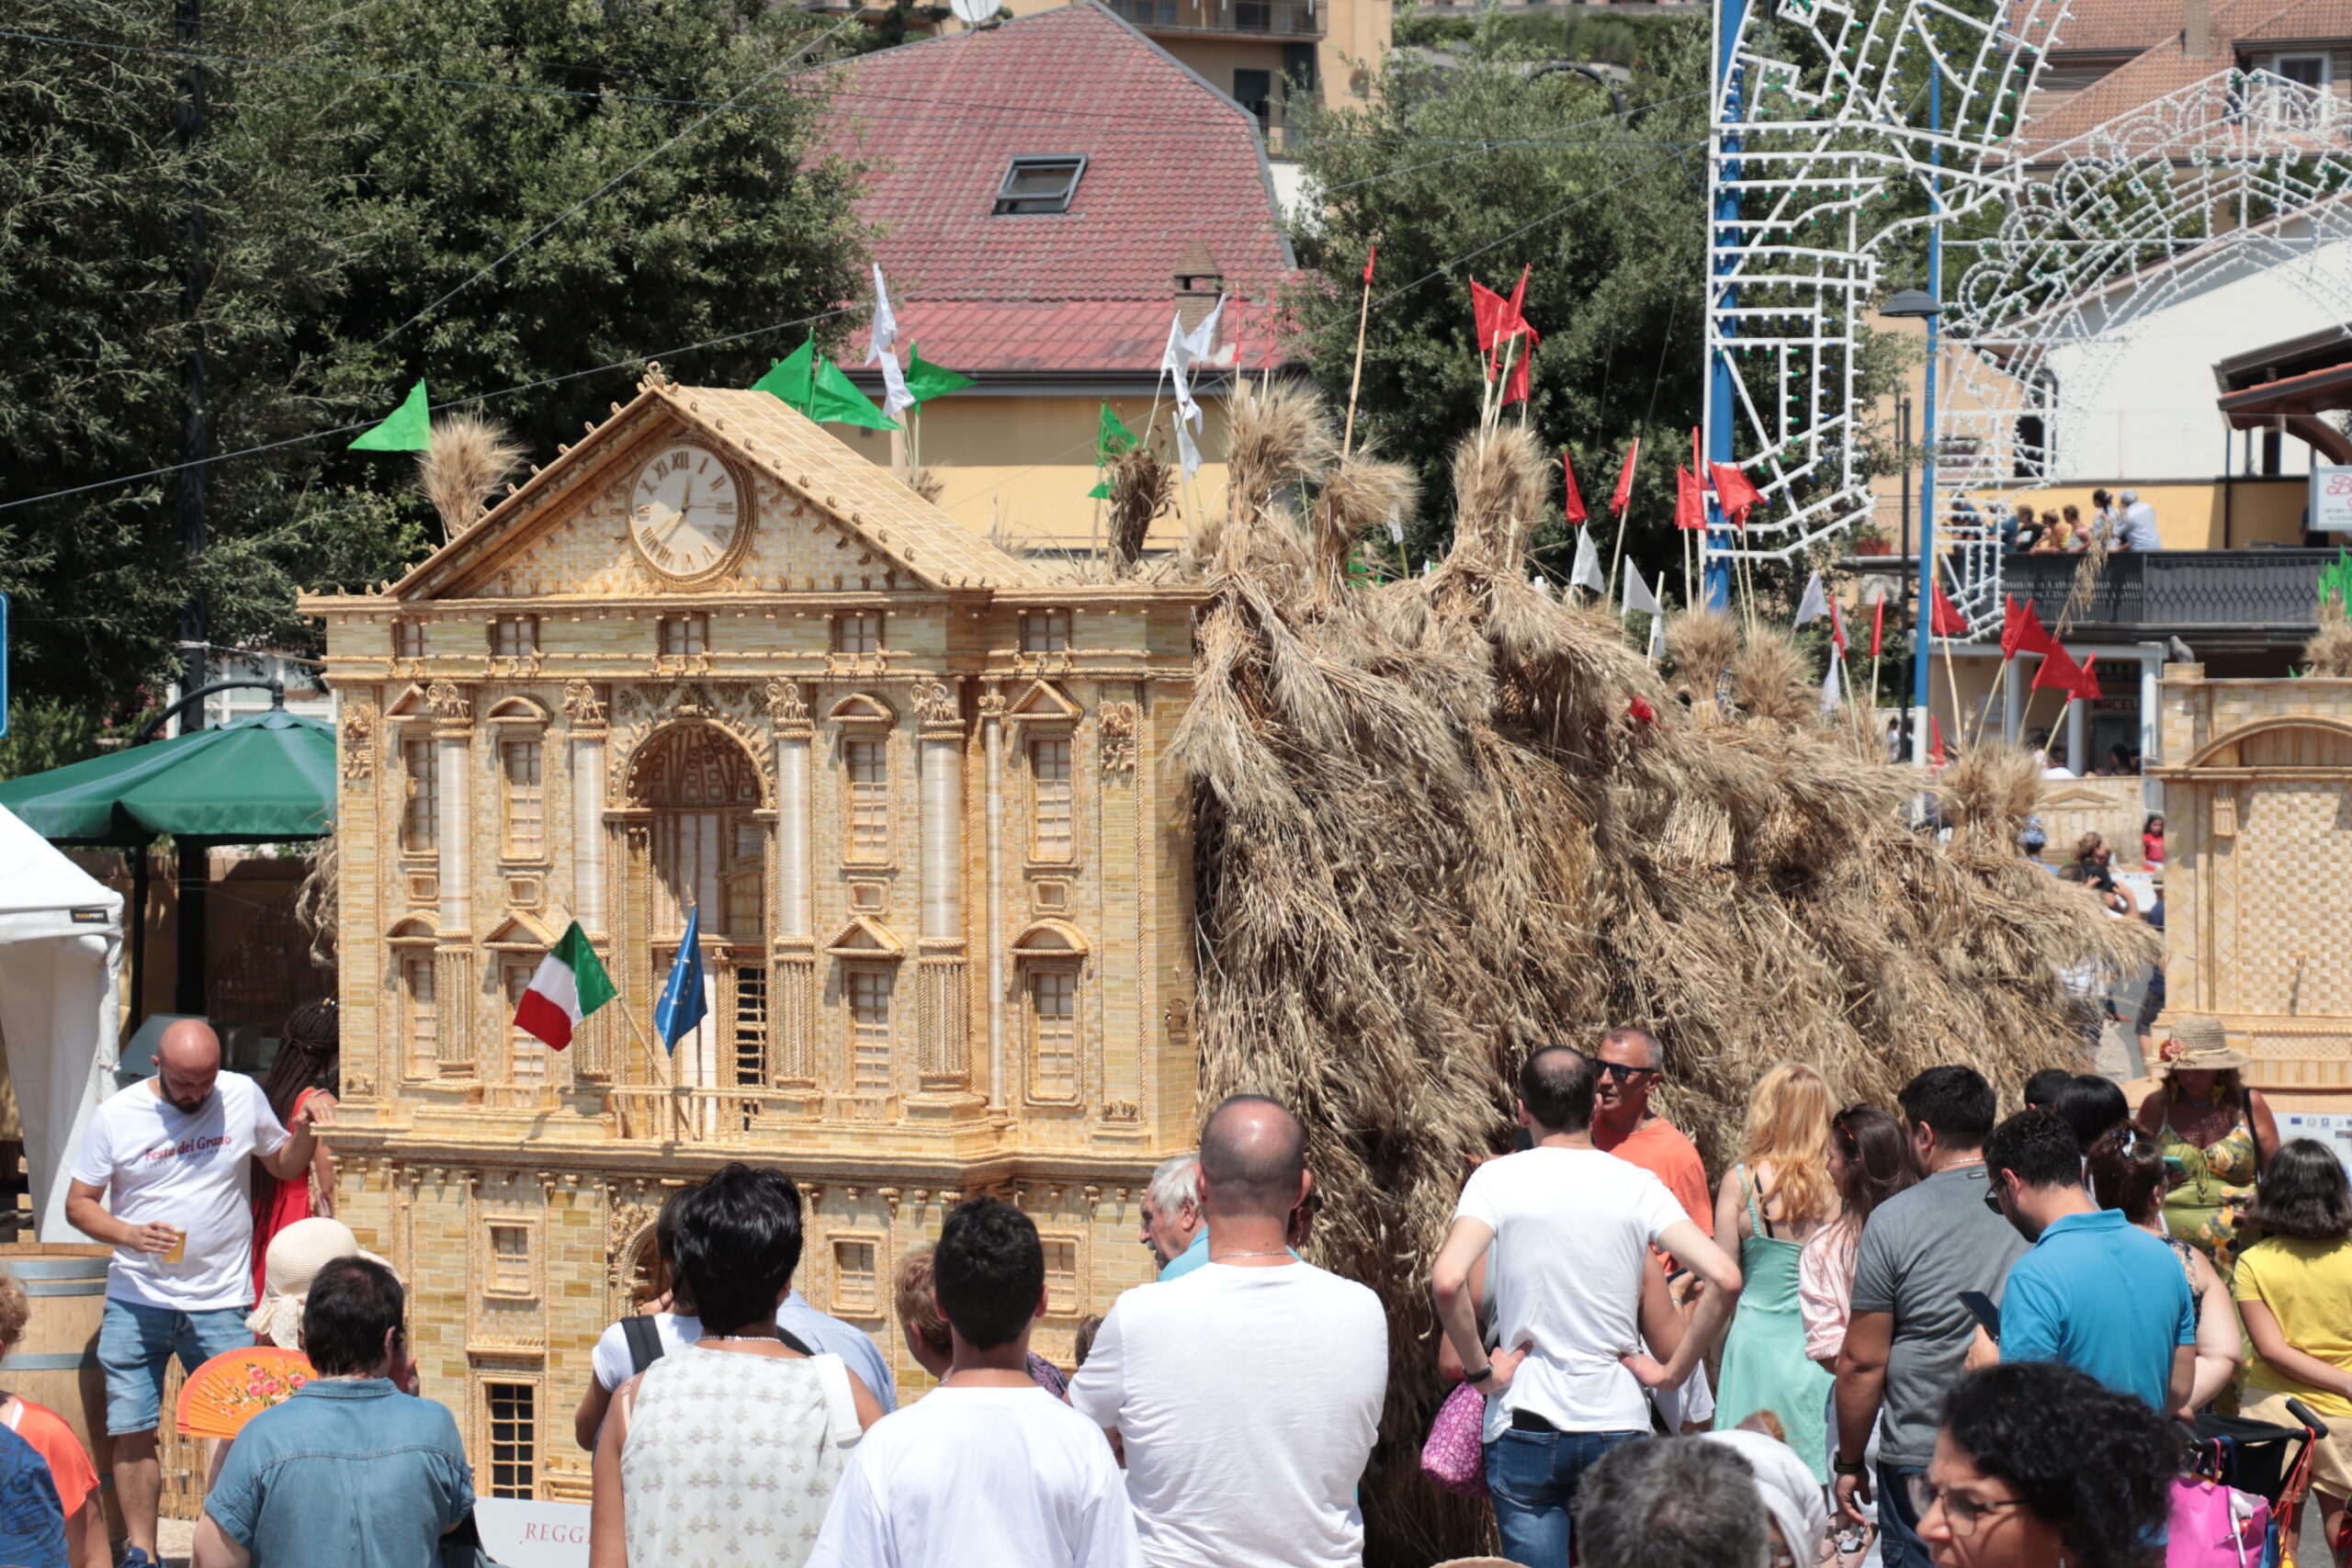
point(644, 1342)
point(841, 1404)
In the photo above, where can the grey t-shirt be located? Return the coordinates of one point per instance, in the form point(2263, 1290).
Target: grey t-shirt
point(1920, 1249)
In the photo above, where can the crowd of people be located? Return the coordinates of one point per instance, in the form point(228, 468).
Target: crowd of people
point(2119, 522)
point(1923, 1334)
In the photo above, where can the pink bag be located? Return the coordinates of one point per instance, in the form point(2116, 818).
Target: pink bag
point(1455, 1455)
point(2212, 1526)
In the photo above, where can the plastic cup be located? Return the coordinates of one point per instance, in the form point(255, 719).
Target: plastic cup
point(178, 1251)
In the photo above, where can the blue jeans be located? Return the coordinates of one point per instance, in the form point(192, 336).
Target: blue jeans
point(1532, 1478)
point(1899, 1545)
point(137, 1343)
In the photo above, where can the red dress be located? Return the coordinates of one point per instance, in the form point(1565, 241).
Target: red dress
point(277, 1205)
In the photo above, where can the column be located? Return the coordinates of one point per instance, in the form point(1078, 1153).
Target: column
point(454, 958)
point(992, 731)
point(792, 986)
point(2012, 700)
point(2078, 743)
point(593, 1056)
point(943, 1004)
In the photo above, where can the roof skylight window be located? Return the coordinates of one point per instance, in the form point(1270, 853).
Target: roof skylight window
point(1038, 184)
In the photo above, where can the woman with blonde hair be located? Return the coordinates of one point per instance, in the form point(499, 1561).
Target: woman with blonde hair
point(1773, 1201)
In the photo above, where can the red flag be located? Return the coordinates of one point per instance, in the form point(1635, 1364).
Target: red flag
point(1936, 734)
point(1369, 256)
point(2087, 681)
point(2021, 629)
point(1493, 315)
point(1499, 322)
point(1626, 477)
point(1836, 627)
point(1946, 619)
point(1877, 625)
point(1690, 500)
point(1733, 492)
point(2059, 673)
point(1570, 499)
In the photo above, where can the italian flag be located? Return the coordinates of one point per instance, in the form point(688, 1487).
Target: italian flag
point(570, 986)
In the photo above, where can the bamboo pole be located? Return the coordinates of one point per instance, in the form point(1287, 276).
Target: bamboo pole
point(659, 1060)
point(1355, 381)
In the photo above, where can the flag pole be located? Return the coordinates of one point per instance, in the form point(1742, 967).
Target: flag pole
point(1355, 382)
point(663, 1068)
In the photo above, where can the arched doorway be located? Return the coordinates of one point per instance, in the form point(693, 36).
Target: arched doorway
point(707, 849)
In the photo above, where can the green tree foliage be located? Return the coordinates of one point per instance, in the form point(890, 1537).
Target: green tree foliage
point(1472, 166)
point(343, 193)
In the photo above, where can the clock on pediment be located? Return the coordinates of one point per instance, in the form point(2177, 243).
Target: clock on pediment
point(689, 512)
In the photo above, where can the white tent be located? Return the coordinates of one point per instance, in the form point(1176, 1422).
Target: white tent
point(61, 960)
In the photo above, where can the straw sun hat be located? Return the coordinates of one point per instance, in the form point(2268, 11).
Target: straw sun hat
point(2199, 1044)
point(295, 1256)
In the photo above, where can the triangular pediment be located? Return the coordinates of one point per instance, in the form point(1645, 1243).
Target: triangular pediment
point(519, 929)
point(703, 491)
point(862, 938)
point(1045, 703)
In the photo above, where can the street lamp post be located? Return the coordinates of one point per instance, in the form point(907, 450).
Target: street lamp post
point(1922, 304)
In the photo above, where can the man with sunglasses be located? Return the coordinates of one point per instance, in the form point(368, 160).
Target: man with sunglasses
point(1631, 1064)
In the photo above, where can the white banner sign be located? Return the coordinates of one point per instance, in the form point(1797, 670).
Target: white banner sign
point(533, 1535)
point(2331, 501)
point(2333, 1129)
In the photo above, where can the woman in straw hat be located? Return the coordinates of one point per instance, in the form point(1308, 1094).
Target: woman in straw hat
point(2219, 1131)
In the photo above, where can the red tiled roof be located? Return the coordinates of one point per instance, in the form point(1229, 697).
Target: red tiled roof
point(1170, 161)
point(2163, 67)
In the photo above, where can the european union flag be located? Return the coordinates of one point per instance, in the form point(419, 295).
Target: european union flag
point(681, 1005)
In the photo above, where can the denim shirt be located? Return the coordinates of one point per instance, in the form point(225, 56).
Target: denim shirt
point(345, 1475)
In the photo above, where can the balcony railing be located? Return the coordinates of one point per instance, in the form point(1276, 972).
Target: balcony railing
point(1245, 19)
point(2252, 598)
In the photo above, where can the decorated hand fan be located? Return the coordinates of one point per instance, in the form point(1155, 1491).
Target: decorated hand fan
point(234, 1387)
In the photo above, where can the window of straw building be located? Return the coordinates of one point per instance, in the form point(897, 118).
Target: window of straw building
point(511, 1409)
point(526, 1054)
point(421, 1017)
point(868, 763)
point(1053, 814)
point(859, 633)
point(869, 1030)
point(408, 640)
point(525, 800)
point(1053, 1034)
point(682, 635)
point(514, 636)
point(751, 1025)
point(1046, 631)
point(1061, 1276)
point(855, 1283)
point(420, 811)
point(510, 1262)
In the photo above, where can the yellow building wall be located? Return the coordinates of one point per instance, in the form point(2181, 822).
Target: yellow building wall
point(1017, 469)
point(2200, 514)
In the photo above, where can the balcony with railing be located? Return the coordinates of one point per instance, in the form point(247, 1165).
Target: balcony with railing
point(2211, 599)
point(1299, 20)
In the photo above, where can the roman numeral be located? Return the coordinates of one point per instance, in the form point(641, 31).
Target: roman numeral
point(726, 508)
point(703, 467)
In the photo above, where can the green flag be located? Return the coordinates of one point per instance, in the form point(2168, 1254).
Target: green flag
point(1112, 439)
point(2336, 580)
point(817, 386)
point(926, 381)
point(408, 428)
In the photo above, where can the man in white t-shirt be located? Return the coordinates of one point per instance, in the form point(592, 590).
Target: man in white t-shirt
point(1246, 1393)
point(168, 1155)
point(988, 1470)
point(1569, 1229)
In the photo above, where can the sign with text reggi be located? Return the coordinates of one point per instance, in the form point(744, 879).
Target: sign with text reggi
point(518, 1534)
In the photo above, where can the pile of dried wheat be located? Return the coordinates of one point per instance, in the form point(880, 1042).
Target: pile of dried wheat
point(1445, 820)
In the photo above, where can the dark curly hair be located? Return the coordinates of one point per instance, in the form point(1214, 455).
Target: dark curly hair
point(2096, 1464)
point(2302, 1193)
point(309, 1056)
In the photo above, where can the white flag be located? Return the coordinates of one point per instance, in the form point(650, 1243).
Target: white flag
point(1637, 593)
point(1188, 454)
point(1831, 695)
point(1185, 350)
point(1815, 603)
point(1586, 573)
point(1541, 583)
point(895, 395)
point(1657, 638)
point(1428, 566)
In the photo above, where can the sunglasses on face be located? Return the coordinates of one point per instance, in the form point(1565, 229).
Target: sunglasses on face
point(1964, 1513)
point(1620, 1072)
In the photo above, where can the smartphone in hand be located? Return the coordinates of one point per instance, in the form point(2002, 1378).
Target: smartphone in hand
point(1980, 1307)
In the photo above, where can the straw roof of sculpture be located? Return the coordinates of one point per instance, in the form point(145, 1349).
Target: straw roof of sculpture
point(1447, 820)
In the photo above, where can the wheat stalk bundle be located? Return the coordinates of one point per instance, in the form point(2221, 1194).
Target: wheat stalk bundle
point(1442, 821)
point(469, 455)
point(2329, 653)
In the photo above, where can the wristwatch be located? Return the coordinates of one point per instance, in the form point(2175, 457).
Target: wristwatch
point(1481, 1375)
point(1839, 1465)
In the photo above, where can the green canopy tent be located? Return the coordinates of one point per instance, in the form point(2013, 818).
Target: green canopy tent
point(268, 779)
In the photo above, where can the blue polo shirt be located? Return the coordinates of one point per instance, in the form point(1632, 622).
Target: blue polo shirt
point(2104, 1296)
point(1192, 1258)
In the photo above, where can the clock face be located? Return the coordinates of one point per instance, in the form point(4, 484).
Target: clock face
point(686, 512)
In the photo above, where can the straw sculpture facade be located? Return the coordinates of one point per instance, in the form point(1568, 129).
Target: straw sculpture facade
point(2255, 831)
point(915, 794)
point(1445, 820)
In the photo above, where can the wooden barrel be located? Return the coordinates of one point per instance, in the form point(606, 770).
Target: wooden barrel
point(56, 1363)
